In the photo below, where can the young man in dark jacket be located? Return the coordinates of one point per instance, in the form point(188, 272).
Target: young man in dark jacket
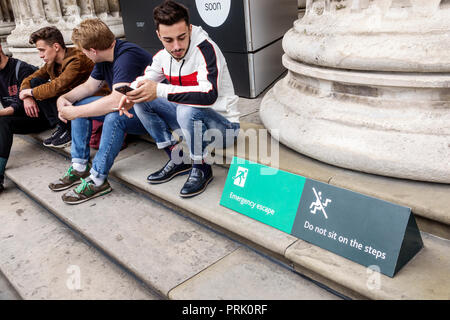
point(13, 117)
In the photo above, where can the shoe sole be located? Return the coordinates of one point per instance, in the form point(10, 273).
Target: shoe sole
point(171, 177)
point(87, 199)
point(47, 144)
point(61, 146)
point(190, 195)
point(66, 187)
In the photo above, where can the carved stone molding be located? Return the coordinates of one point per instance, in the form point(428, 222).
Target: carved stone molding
point(30, 15)
point(368, 87)
point(7, 23)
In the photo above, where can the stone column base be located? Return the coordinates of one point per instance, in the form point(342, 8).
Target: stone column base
point(393, 124)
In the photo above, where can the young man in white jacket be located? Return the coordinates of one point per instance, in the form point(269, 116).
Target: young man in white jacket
point(198, 98)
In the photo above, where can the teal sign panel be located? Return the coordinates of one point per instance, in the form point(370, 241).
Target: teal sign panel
point(366, 230)
point(268, 195)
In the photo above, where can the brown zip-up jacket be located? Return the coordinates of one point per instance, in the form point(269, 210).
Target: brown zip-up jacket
point(75, 70)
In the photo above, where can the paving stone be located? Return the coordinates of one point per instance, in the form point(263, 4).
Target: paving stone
point(160, 247)
point(245, 274)
point(43, 258)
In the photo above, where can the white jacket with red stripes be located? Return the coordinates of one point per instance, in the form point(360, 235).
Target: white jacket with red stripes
point(201, 79)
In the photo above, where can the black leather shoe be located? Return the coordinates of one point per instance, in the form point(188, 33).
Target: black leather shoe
point(169, 171)
point(196, 183)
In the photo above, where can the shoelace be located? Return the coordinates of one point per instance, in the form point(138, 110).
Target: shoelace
point(68, 173)
point(57, 132)
point(84, 184)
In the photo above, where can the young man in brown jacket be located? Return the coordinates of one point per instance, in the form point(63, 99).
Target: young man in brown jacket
point(12, 116)
point(64, 69)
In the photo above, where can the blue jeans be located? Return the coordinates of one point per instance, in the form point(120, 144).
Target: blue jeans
point(200, 127)
point(113, 133)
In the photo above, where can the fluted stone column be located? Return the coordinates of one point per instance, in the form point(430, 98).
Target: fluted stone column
point(7, 23)
point(109, 11)
point(368, 87)
point(31, 15)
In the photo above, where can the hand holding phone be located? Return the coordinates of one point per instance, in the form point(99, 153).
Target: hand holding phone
point(124, 89)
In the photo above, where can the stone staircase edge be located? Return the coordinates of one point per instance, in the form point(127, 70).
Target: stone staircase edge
point(290, 261)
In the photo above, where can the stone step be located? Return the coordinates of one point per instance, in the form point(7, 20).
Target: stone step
point(429, 202)
point(7, 292)
point(246, 270)
point(154, 243)
point(43, 259)
point(431, 281)
point(206, 209)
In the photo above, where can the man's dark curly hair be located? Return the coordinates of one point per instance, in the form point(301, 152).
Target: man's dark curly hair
point(50, 35)
point(170, 12)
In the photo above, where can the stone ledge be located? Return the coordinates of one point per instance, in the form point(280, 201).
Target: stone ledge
point(429, 201)
point(303, 256)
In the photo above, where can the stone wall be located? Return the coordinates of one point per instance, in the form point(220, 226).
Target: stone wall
point(19, 18)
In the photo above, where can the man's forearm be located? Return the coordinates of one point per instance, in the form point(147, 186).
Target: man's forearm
point(98, 107)
point(82, 91)
point(8, 111)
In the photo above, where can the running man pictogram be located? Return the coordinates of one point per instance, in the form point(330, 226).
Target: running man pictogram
point(241, 176)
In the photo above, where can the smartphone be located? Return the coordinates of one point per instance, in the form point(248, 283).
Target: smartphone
point(124, 89)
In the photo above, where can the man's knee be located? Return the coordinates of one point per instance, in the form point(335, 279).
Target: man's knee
point(146, 107)
point(113, 116)
point(187, 114)
point(78, 123)
point(113, 119)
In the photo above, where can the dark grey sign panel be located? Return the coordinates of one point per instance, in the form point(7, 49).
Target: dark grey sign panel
point(363, 229)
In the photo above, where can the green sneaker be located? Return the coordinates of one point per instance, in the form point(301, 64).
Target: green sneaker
point(69, 179)
point(86, 191)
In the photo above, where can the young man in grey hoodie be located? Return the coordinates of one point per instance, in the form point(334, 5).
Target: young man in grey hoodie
point(199, 98)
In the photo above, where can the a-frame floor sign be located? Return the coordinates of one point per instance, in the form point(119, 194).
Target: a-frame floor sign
point(366, 230)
